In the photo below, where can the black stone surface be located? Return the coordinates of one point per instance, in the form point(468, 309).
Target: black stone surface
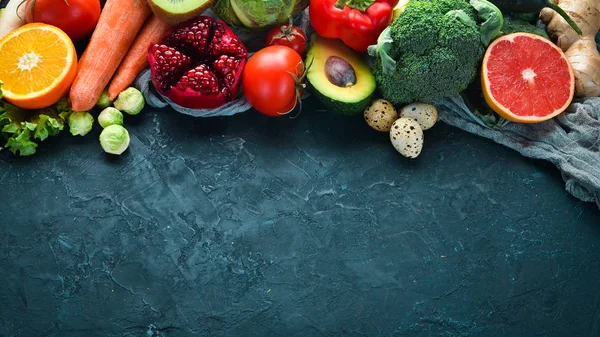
point(249, 226)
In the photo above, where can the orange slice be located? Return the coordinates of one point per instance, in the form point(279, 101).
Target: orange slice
point(526, 78)
point(38, 63)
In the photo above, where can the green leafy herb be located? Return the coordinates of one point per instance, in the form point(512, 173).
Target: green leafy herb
point(490, 118)
point(492, 18)
point(462, 16)
point(24, 129)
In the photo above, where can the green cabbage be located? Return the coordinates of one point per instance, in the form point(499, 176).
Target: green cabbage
point(258, 14)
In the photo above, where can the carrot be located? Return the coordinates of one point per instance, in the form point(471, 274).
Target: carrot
point(119, 23)
point(137, 56)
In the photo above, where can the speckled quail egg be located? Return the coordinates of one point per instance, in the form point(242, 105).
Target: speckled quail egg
point(380, 115)
point(425, 114)
point(406, 136)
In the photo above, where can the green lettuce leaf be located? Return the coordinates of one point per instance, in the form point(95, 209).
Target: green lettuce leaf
point(24, 129)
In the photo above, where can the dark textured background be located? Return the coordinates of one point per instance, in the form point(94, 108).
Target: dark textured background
point(249, 226)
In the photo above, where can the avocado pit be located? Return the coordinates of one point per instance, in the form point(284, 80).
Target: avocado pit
point(340, 72)
point(338, 76)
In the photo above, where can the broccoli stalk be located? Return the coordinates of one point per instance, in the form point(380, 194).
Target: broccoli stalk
point(433, 49)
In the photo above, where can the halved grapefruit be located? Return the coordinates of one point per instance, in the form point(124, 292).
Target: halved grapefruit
point(526, 78)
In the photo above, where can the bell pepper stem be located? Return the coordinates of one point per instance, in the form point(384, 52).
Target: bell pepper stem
point(340, 4)
point(361, 5)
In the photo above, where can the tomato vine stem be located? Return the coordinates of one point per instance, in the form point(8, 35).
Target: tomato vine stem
point(300, 86)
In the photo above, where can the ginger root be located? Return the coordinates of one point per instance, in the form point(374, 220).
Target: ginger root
point(581, 51)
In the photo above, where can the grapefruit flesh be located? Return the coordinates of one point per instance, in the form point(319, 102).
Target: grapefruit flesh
point(526, 78)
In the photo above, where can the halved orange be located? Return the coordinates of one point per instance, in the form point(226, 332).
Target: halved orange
point(526, 78)
point(38, 63)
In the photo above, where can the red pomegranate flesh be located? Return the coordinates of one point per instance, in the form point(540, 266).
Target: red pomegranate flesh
point(198, 64)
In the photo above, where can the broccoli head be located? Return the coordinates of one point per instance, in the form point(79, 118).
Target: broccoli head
point(514, 24)
point(437, 48)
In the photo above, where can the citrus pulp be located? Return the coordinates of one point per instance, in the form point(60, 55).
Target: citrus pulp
point(38, 63)
point(526, 78)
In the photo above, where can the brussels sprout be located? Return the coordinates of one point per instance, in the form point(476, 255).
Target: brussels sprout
point(110, 116)
point(104, 101)
point(130, 101)
point(114, 139)
point(258, 14)
point(80, 123)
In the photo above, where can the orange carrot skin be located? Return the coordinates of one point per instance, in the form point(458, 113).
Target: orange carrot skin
point(119, 23)
point(137, 57)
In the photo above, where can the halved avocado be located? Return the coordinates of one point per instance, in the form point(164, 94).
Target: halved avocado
point(340, 79)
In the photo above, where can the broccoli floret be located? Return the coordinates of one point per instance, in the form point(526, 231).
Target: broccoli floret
point(513, 24)
point(437, 48)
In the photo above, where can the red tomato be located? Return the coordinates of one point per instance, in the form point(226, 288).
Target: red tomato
point(77, 18)
point(287, 35)
point(273, 80)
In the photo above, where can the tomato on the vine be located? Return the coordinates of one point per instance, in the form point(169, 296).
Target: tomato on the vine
point(273, 80)
point(287, 35)
point(77, 18)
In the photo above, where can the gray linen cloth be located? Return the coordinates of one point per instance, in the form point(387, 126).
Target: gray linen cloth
point(570, 141)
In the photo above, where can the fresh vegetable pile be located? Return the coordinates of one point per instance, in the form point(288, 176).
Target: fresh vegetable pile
point(388, 60)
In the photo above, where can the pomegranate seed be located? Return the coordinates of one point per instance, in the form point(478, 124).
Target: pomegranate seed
point(225, 92)
point(226, 43)
point(191, 37)
point(200, 79)
point(169, 65)
point(225, 67)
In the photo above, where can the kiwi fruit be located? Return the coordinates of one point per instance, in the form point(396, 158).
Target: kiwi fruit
point(174, 12)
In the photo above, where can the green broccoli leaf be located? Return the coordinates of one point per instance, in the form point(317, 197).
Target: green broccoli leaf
point(463, 17)
point(381, 50)
point(492, 18)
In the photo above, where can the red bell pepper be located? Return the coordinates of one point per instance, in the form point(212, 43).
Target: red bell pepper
point(357, 23)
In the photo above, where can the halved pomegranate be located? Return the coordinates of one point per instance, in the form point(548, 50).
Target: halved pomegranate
point(198, 64)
